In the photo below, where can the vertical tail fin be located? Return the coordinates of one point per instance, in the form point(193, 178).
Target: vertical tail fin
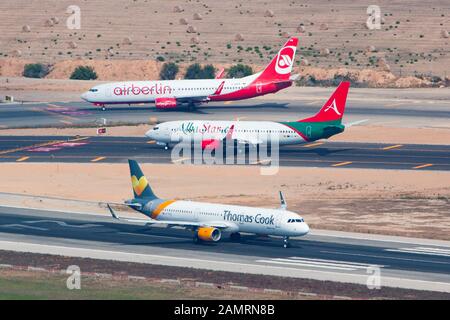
point(141, 188)
point(281, 66)
point(334, 108)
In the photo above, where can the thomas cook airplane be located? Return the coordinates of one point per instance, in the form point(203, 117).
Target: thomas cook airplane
point(326, 123)
point(209, 220)
point(167, 94)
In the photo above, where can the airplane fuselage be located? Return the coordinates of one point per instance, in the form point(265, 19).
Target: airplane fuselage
point(131, 92)
point(277, 222)
point(252, 132)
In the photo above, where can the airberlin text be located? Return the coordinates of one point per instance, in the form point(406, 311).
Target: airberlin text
point(245, 218)
point(128, 90)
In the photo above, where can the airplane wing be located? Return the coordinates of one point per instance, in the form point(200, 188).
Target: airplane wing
point(249, 140)
point(127, 204)
point(193, 99)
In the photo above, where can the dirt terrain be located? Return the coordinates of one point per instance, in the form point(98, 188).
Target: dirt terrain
point(148, 283)
point(407, 203)
point(124, 38)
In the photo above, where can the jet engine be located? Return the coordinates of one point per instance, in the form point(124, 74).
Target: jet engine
point(209, 234)
point(165, 103)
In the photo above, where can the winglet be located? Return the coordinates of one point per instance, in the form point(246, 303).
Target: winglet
point(219, 89)
point(219, 74)
point(114, 215)
point(230, 133)
point(282, 201)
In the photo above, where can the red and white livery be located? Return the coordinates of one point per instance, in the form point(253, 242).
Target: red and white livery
point(172, 93)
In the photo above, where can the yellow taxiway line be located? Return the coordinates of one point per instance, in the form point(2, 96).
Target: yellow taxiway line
point(392, 147)
point(341, 164)
point(312, 145)
point(181, 159)
point(423, 166)
point(22, 159)
point(98, 159)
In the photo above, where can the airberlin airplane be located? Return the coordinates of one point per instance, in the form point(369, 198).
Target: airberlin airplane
point(209, 220)
point(172, 93)
point(326, 123)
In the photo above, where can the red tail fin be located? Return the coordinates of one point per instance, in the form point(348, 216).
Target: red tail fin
point(281, 66)
point(334, 108)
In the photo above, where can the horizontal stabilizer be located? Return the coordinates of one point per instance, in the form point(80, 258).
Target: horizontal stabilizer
point(355, 123)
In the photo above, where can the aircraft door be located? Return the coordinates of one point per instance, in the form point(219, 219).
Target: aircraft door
point(108, 90)
point(259, 87)
point(308, 131)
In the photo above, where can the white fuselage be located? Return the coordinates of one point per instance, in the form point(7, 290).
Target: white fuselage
point(148, 91)
point(254, 132)
point(276, 222)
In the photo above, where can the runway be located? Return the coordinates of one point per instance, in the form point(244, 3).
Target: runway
point(343, 257)
point(317, 154)
point(76, 113)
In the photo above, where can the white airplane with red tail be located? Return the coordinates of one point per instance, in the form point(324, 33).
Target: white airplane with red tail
point(168, 94)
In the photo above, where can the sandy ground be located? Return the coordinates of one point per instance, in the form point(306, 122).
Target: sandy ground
point(365, 133)
point(52, 86)
point(407, 203)
point(154, 29)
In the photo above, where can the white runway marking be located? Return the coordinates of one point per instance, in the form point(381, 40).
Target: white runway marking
point(424, 250)
point(319, 263)
point(21, 226)
point(64, 224)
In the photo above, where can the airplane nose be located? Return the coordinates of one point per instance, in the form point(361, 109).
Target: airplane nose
point(84, 96)
point(305, 228)
point(149, 134)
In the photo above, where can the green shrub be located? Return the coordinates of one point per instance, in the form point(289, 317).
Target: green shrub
point(35, 70)
point(168, 71)
point(83, 73)
point(209, 72)
point(239, 71)
point(160, 58)
point(195, 71)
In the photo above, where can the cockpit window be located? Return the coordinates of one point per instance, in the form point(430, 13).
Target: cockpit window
point(93, 90)
point(296, 220)
point(155, 128)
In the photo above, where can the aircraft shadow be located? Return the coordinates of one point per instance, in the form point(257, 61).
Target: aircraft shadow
point(323, 152)
point(186, 109)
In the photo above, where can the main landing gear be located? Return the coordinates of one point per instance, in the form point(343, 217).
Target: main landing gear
point(195, 238)
point(100, 105)
point(286, 243)
point(235, 237)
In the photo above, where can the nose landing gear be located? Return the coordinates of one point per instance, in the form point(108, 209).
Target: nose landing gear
point(286, 243)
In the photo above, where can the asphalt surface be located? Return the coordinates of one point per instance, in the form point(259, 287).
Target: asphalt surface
point(317, 154)
point(312, 256)
point(31, 115)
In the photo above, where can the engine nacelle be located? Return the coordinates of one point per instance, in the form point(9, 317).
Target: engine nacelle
point(210, 144)
point(209, 234)
point(165, 103)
